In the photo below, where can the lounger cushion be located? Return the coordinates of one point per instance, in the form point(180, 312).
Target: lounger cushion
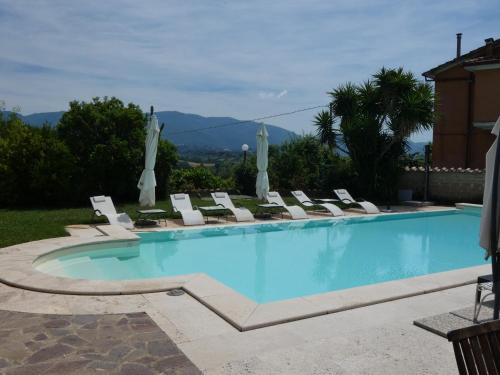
point(272, 194)
point(242, 214)
point(334, 210)
point(179, 196)
point(99, 198)
point(296, 212)
point(192, 217)
point(220, 195)
point(297, 193)
point(369, 207)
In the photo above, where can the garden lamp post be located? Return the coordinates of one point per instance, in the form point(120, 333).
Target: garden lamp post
point(244, 148)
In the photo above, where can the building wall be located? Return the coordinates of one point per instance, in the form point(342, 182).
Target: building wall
point(486, 109)
point(487, 95)
point(450, 133)
point(450, 186)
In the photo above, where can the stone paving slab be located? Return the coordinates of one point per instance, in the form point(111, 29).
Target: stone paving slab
point(124, 344)
point(443, 323)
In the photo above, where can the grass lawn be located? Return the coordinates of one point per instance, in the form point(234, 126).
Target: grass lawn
point(18, 226)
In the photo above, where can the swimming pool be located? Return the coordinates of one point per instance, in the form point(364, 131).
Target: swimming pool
point(278, 261)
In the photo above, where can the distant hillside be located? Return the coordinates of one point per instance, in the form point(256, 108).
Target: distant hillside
point(179, 128)
point(38, 119)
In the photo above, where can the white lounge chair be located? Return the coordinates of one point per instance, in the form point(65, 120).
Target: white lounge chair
point(240, 213)
point(346, 198)
point(304, 200)
point(182, 203)
point(103, 206)
point(295, 212)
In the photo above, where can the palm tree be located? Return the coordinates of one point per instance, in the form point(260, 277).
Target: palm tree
point(376, 119)
point(324, 129)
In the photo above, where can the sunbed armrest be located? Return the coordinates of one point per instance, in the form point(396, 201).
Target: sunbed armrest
point(97, 212)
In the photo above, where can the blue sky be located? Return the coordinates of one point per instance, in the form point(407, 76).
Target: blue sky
point(243, 59)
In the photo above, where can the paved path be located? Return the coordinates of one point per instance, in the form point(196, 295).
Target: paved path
point(125, 344)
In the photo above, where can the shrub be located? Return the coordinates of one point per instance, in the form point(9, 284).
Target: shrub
point(198, 178)
point(36, 167)
point(245, 176)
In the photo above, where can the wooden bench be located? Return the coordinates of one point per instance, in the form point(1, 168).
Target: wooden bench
point(477, 349)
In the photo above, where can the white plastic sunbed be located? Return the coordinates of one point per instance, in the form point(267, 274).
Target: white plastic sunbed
point(346, 198)
point(182, 203)
point(304, 200)
point(240, 213)
point(295, 212)
point(103, 206)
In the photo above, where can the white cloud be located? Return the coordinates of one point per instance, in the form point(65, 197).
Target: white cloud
point(211, 58)
point(282, 94)
point(272, 95)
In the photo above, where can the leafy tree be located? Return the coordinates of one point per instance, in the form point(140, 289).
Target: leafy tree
point(36, 167)
point(376, 118)
point(107, 139)
point(324, 128)
point(166, 160)
point(303, 163)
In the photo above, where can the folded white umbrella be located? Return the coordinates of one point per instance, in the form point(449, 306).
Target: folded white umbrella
point(147, 182)
point(262, 184)
point(490, 214)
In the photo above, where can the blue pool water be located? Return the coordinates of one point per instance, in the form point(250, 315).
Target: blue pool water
point(271, 262)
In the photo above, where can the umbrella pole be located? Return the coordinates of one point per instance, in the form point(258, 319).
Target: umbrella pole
point(496, 284)
point(494, 233)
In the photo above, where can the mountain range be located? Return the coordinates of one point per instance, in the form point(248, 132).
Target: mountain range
point(190, 131)
point(194, 132)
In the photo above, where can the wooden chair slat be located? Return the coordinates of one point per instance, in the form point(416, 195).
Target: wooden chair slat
point(477, 348)
point(494, 340)
point(487, 354)
point(478, 355)
point(462, 369)
point(469, 357)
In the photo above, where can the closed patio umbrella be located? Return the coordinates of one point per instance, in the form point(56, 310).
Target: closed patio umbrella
point(262, 184)
point(490, 216)
point(147, 182)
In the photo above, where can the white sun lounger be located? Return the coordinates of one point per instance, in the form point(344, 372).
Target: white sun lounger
point(304, 200)
point(103, 206)
point(182, 203)
point(240, 213)
point(346, 198)
point(295, 212)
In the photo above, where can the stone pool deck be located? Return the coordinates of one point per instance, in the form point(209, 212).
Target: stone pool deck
point(377, 339)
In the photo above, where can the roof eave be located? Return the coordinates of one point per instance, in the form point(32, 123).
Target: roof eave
point(439, 69)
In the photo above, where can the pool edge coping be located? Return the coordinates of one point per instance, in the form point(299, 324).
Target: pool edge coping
point(238, 310)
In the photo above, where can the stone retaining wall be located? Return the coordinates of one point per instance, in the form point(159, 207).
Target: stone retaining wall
point(445, 184)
